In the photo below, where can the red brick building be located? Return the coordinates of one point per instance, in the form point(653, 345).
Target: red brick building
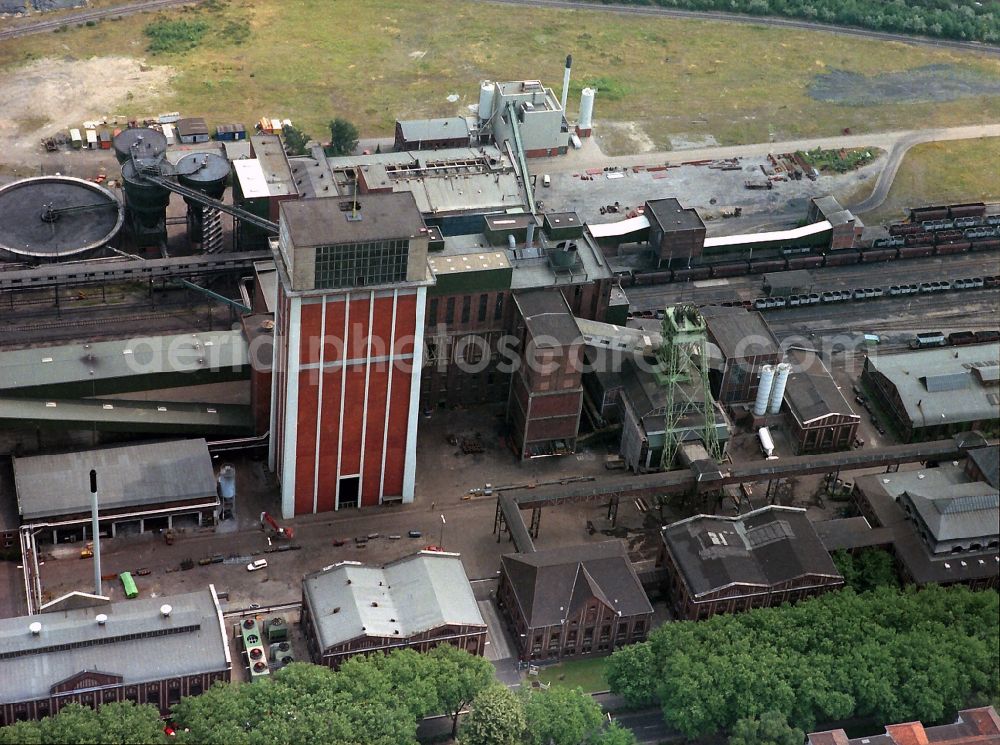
point(348, 350)
point(820, 418)
point(973, 727)
point(764, 558)
point(417, 602)
point(148, 651)
point(573, 601)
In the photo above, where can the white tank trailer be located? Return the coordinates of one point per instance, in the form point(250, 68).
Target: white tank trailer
point(766, 443)
point(764, 390)
point(778, 393)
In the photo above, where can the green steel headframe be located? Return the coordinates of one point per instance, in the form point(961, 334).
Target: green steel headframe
point(683, 371)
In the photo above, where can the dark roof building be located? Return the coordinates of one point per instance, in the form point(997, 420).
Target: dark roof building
point(192, 130)
point(149, 651)
point(417, 602)
point(675, 233)
point(154, 482)
point(432, 134)
point(574, 600)
point(820, 417)
point(746, 344)
point(973, 726)
point(945, 526)
point(766, 557)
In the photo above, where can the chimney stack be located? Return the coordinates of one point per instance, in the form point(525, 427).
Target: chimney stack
point(565, 90)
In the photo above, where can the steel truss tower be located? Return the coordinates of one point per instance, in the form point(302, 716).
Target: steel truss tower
point(683, 371)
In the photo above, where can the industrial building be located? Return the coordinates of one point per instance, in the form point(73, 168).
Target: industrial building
point(767, 557)
point(746, 344)
point(417, 602)
point(944, 521)
point(91, 655)
point(149, 486)
point(845, 227)
point(934, 393)
point(349, 330)
point(432, 134)
point(972, 727)
point(676, 234)
point(821, 419)
point(573, 601)
point(525, 116)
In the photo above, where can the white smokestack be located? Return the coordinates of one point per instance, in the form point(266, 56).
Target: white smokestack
point(565, 90)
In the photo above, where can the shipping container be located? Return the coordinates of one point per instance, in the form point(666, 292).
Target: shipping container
point(92, 139)
point(128, 585)
point(75, 139)
point(168, 133)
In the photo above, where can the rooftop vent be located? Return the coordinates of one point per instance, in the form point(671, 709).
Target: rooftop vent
point(337, 609)
point(374, 604)
point(35, 628)
point(101, 619)
point(165, 610)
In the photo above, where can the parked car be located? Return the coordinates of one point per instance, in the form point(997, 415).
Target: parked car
point(415, 534)
point(253, 566)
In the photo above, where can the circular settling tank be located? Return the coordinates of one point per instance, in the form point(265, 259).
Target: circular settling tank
point(50, 218)
point(205, 172)
point(143, 142)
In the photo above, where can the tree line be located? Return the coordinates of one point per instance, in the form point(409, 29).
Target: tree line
point(370, 700)
point(969, 21)
point(889, 654)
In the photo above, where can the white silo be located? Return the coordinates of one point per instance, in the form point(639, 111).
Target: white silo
point(778, 393)
point(585, 122)
point(485, 100)
point(764, 391)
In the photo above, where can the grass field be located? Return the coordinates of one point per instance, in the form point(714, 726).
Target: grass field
point(587, 674)
point(374, 60)
point(943, 173)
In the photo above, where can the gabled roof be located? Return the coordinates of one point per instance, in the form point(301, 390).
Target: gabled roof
point(408, 597)
point(553, 585)
point(763, 548)
point(966, 511)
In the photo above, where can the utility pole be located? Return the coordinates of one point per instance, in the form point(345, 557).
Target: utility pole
point(96, 530)
point(441, 537)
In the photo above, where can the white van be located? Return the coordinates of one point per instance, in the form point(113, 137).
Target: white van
point(546, 180)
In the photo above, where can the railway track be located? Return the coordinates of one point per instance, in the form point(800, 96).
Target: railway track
point(51, 24)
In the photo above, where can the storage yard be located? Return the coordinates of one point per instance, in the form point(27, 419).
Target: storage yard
point(485, 336)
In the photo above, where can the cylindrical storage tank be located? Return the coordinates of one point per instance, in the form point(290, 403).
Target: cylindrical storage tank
point(485, 100)
point(764, 391)
point(585, 120)
point(144, 199)
point(51, 218)
point(227, 482)
point(204, 172)
point(780, 381)
point(146, 143)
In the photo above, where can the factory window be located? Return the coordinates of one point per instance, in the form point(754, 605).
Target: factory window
point(483, 302)
point(361, 264)
point(449, 314)
point(466, 308)
point(432, 314)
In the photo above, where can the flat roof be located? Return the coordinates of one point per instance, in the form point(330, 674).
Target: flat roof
point(670, 215)
point(468, 262)
point(943, 385)
point(548, 318)
point(418, 130)
point(322, 222)
point(141, 475)
point(190, 641)
point(267, 278)
point(38, 367)
point(313, 176)
point(847, 533)
point(410, 596)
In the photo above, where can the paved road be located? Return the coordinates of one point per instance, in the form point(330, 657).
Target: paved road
point(48, 24)
point(645, 10)
point(896, 144)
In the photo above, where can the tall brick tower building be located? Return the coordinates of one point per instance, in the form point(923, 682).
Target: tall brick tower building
point(349, 329)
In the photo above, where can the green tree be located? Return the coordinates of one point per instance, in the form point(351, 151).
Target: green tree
point(866, 570)
point(561, 716)
point(21, 733)
point(771, 728)
point(458, 677)
point(631, 672)
point(615, 734)
point(343, 137)
point(497, 718)
point(113, 724)
point(296, 141)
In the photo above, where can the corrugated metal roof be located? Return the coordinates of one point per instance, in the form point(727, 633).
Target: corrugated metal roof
point(416, 594)
point(136, 642)
point(127, 475)
point(777, 235)
point(421, 130)
point(967, 511)
point(250, 175)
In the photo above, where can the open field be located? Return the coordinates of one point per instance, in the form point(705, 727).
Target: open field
point(943, 172)
point(587, 674)
point(373, 61)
